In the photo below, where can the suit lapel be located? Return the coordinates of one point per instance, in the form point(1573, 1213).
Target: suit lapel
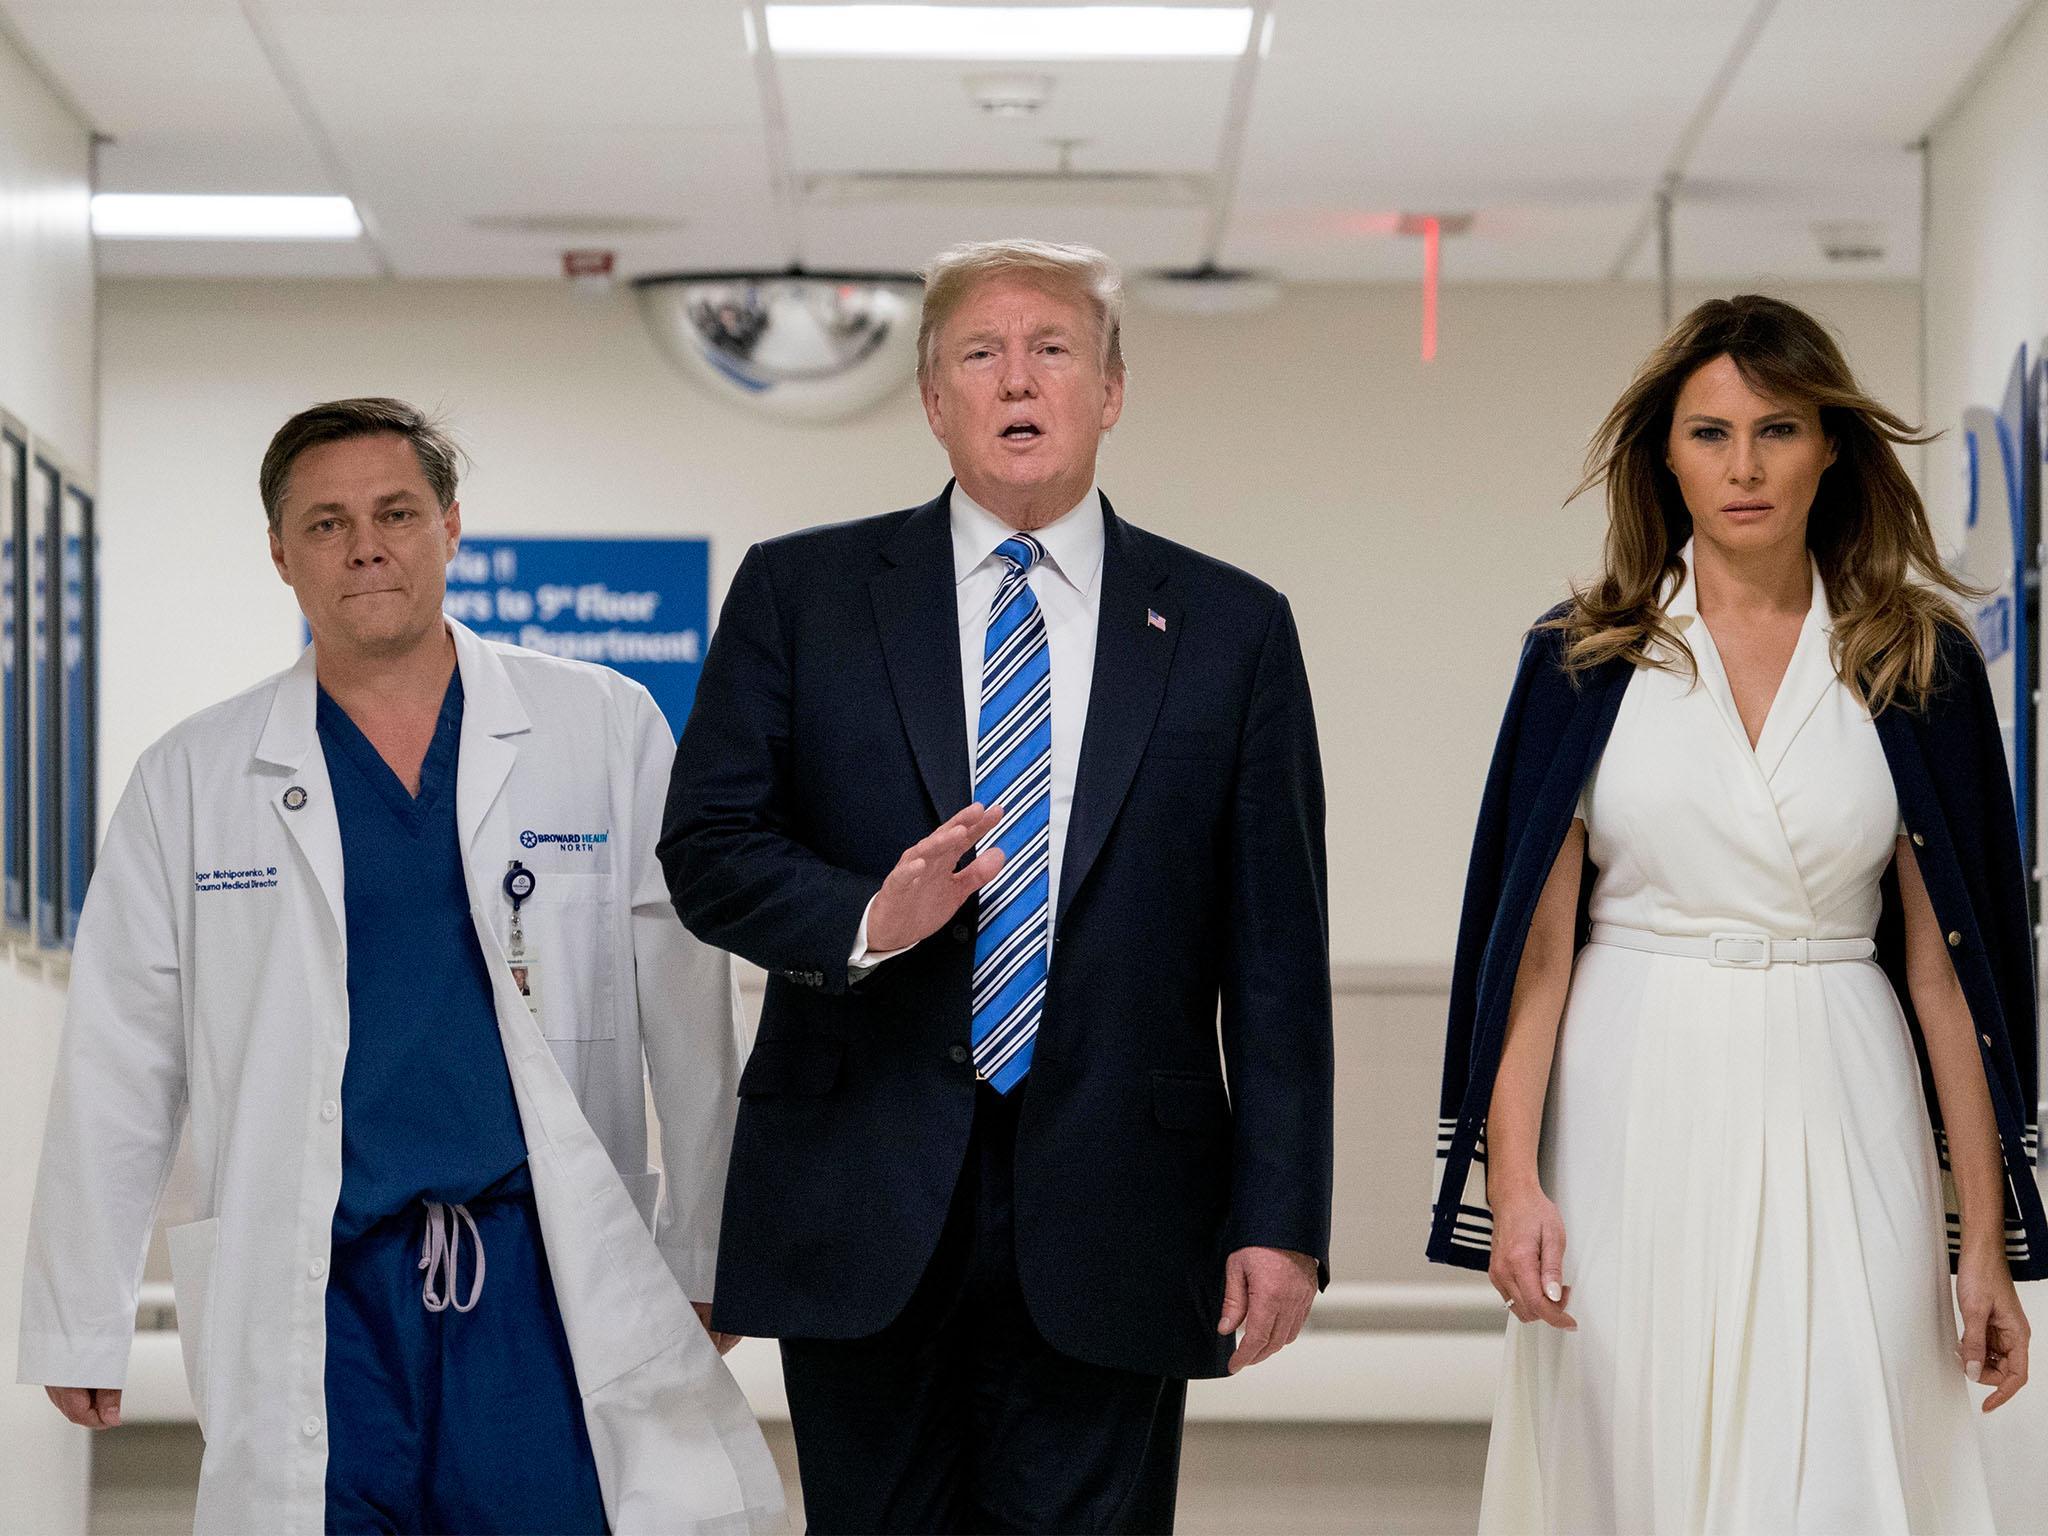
point(1132, 656)
point(917, 613)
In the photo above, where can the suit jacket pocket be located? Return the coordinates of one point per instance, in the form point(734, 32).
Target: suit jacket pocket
point(1190, 1101)
point(792, 1068)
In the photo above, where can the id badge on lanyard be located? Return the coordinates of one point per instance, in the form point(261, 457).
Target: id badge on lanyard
point(519, 955)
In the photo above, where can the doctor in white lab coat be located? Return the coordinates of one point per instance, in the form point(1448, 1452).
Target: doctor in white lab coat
point(210, 983)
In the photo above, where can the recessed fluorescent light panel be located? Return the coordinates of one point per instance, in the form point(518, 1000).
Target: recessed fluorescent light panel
point(1009, 31)
point(163, 216)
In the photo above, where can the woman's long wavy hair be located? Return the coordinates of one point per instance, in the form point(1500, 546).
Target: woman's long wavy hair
point(1868, 530)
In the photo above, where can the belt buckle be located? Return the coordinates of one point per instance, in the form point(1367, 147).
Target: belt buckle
point(1759, 945)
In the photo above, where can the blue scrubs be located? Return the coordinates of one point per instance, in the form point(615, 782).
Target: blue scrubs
point(437, 1420)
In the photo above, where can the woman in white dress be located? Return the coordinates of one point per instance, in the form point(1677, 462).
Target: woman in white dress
point(1718, 1099)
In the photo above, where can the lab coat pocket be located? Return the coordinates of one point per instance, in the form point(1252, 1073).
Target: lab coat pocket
point(645, 1188)
point(569, 929)
point(192, 1258)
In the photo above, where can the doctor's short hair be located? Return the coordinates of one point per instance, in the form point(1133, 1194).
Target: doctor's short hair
point(1072, 271)
point(337, 421)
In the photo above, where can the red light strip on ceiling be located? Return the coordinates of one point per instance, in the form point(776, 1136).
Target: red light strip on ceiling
point(1432, 232)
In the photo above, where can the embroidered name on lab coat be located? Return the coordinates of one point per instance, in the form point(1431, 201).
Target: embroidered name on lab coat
point(259, 878)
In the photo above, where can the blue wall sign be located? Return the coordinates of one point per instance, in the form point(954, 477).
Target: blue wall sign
point(640, 605)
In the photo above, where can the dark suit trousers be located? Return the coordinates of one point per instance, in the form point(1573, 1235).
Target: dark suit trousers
point(958, 1416)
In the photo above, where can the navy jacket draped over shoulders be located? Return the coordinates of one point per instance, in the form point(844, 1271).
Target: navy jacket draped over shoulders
point(1948, 767)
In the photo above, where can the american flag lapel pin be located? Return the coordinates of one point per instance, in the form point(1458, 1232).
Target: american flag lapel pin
point(1153, 619)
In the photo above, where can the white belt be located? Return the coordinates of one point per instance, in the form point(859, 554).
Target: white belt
point(1742, 950)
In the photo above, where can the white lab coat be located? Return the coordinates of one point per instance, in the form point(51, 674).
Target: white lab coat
point(209, 978)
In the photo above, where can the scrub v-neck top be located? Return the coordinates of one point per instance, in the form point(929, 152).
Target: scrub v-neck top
point(426, 1097)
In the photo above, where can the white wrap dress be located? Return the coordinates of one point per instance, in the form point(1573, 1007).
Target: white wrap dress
point(1751, 1193)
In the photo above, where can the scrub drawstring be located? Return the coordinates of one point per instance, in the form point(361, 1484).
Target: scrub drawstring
point(440, 1247)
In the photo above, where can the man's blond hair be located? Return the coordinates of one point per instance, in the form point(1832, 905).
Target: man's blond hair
point(1076, 271)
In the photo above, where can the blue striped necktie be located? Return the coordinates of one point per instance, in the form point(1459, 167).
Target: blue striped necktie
point(1013, 766)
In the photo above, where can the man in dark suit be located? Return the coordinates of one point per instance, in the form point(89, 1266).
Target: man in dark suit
point(1007, 795)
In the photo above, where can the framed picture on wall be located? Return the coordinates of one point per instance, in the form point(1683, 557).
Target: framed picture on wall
point(17, 825)
point(46, 679)
point(80, 699)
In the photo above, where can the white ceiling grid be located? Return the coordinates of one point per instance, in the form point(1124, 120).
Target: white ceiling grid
point(482, 137)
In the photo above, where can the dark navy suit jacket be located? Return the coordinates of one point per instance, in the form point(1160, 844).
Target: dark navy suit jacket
point(827, 736)
point(1948, 767)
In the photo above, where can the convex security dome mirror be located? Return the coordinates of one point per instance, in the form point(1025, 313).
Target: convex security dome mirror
point(795, 346)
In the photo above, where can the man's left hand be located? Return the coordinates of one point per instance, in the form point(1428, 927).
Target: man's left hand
point(1267, 1292)
point(723, 1341)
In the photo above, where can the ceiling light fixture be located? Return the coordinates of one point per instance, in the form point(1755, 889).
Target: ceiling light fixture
point(177, 216)
point(1009, 31)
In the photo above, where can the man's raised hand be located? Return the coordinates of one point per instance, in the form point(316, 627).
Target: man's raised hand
point(924, 889)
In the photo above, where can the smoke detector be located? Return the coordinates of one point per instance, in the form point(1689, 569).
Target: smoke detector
point(1008, 94)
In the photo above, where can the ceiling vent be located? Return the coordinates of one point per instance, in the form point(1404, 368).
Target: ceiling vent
point(1850, 242)
point(1009, 94)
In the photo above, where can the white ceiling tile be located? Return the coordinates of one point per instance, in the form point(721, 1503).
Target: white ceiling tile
point(143, 68)
point(869, 114)
point(1549, 123)
point(201, 161)
point(236, 258)
point(398, 64)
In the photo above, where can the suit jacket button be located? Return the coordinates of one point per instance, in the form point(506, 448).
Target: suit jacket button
point(1919, 841)
point(1954, 938)
point(956, 1053)
point(962, 933)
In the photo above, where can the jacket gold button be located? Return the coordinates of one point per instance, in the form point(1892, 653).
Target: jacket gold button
point(1987, 1041)
point(1919, 841)
point(1954, 938)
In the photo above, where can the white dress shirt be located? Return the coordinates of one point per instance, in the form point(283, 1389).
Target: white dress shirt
point(1068, 586)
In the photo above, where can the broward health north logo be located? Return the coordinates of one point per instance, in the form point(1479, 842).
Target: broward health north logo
point(568, 842)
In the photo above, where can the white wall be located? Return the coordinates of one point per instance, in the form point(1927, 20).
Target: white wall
point(46, 379)
point(46, 269)
point(1986, 262)
point(1411, 512)
point(1985, 276)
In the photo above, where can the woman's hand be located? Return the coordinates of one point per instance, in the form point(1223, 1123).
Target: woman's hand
point(1528, 1256)
point(1993, 1348)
